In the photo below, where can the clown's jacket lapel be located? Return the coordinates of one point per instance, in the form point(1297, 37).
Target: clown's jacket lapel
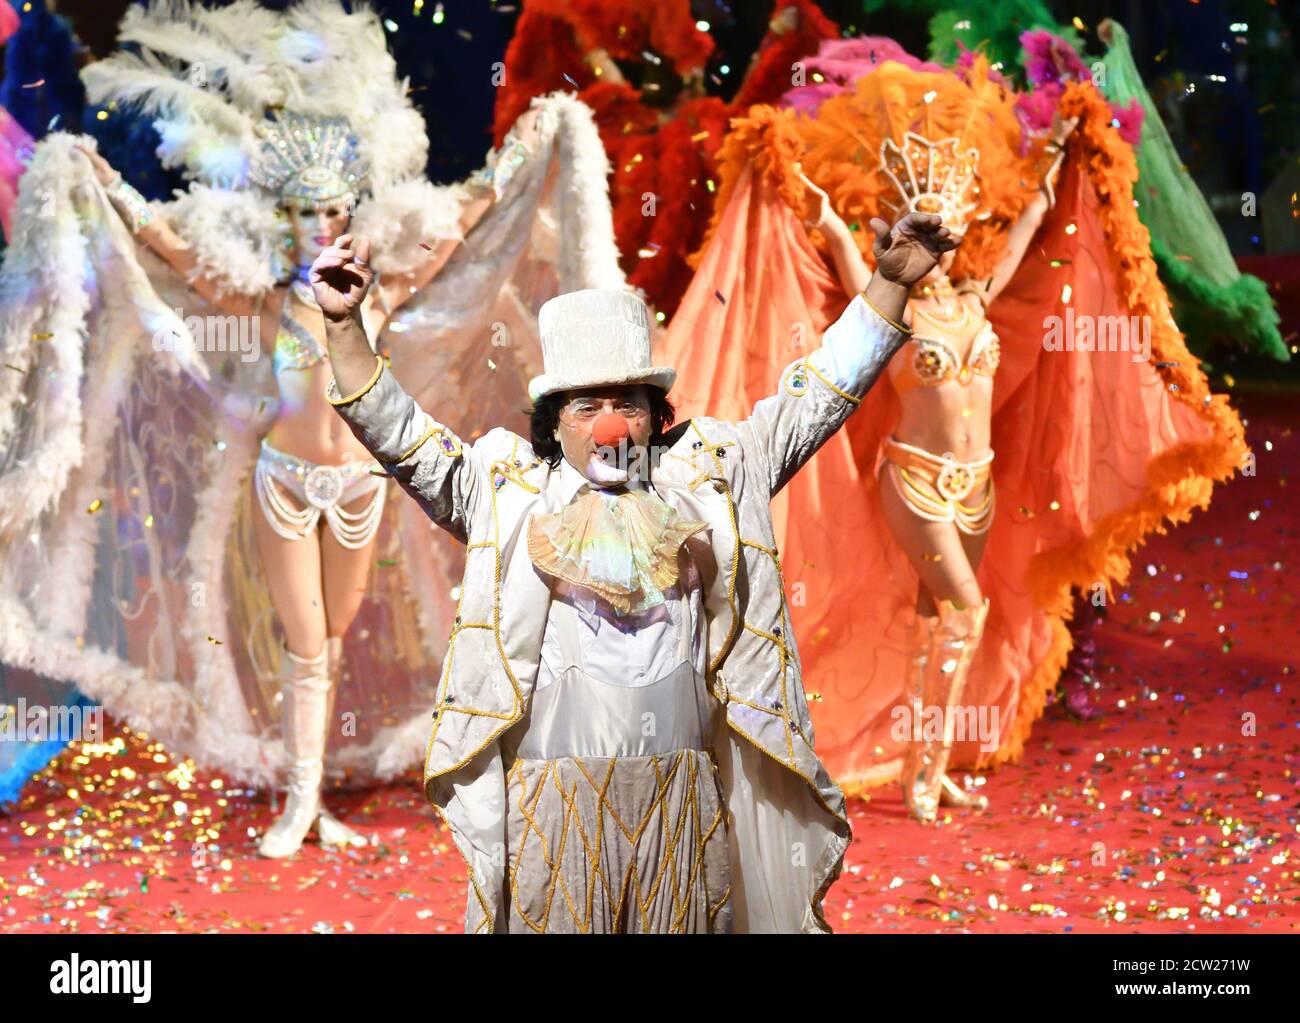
point(786, 817)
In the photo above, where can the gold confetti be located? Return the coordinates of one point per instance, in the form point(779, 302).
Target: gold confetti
point(215, 642)
point(95, 505)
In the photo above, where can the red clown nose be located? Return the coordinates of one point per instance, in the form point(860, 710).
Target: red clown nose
point(609, 429)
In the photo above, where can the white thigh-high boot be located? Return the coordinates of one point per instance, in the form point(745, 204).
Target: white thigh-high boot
point(305, 709)
point(308, 695)
point(332, 830)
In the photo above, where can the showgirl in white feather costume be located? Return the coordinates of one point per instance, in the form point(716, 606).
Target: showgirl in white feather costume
point(131, 561)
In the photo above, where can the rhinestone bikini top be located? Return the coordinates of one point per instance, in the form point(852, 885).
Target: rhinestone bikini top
point(929, 362)
point(295, 347)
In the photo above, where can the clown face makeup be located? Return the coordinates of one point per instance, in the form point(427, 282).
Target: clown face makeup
point(601, 430)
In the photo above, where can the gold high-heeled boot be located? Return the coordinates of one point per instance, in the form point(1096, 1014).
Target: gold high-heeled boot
point(922, 639)
point(305, 711)
point(952, 794)
point(942, 650)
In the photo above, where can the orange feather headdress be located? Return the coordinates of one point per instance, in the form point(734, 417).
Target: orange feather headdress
point(945, 143)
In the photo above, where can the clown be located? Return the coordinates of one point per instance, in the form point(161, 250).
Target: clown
point(621, 740)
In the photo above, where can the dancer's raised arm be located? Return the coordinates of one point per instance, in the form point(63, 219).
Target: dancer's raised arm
point(156, 233)
point(1031, 217)
point(818, 393)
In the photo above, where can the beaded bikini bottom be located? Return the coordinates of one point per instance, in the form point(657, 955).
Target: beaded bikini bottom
point(323, 490)
point(936, 487)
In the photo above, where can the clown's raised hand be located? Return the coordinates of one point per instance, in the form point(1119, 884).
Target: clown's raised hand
point(910, 249)
point(341, 276)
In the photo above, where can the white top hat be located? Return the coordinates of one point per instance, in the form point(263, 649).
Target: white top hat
point(594, 338)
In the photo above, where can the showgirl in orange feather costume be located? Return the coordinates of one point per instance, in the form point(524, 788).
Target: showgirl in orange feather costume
point(933, 579)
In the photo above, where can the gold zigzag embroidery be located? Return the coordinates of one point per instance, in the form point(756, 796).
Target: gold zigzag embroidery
point(615, 891)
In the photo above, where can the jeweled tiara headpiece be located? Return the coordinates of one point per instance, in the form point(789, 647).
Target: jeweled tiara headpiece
point(309, 161)
point(932, 177)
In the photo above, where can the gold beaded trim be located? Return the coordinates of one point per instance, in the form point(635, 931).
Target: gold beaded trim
point(379, 368)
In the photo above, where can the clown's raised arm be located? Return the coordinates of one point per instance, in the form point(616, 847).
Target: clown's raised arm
point(818, 393)
point(395, 430)
point(383, 416)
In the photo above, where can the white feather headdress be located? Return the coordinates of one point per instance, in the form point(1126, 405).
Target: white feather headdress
point(209, 76)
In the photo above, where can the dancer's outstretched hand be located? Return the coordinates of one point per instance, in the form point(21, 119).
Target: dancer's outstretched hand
point(104, 171)
point(909, 251)
point(821, 204)
point(341, 276)
point(527, 130)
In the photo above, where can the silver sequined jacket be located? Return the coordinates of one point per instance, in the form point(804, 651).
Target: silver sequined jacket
point(786, 816)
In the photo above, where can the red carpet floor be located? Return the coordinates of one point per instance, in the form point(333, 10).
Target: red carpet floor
point(1176, 810)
